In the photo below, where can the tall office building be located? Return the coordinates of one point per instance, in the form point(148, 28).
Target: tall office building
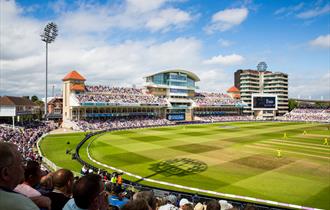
point(264, 82)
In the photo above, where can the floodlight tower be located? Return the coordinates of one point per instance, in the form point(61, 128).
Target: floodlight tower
point(48, 36)
point(262, 66)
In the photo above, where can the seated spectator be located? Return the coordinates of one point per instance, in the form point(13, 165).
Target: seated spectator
point(170, 203)
point(84, 170)
point(224, 205)
point(62, 181)
point(213, 205)
point(46, 184)
point(32, 176)
point(11, 174)
point(118, 198)
point(200, 206)
point(137, 204)
point(90, 171)
point(147, 196)
point(185, 204)
point(88, 194)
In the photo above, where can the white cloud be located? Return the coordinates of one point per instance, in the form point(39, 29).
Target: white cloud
point(318, 11)
point(142, 6)
point(167, 17)
point(289, 10)
point(121, 64)
point(322, 41)
point(316, 86)
point(305, 10)
point(232, 59)
point(227, 19)
point(223, 81)
point(19, 36)
point(132, 15)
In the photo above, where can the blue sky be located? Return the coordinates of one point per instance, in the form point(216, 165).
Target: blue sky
point(116, 43)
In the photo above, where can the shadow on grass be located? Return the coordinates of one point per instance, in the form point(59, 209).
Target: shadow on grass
point(177, 167)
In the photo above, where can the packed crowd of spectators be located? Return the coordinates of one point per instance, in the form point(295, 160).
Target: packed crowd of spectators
point(119, 95)
point(131, 122)
point(25, 137)
point(217, 118)
point(113, 90)
point(309, 115)
point(122, 98)
point(214, 99)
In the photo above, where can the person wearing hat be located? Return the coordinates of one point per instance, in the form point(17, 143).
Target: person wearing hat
point(185, 204)
point(224, 205)
point(200, 206)
point(170, 203)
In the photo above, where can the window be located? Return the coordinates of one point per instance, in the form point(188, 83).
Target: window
point(172, 90)
point(190, 82)
point(158, 79)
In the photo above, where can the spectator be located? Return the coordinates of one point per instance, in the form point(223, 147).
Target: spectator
point(84, 170)
point(32, 176)
point(62, 181)
point(11, 174)
point(170, 203)
point(113, 179)
point(187, 206)
point(224, 205)
point(213, 205)
point(184, 201)
point(118, 198)
point(200, 206)
point(88, 194)
point(119, 179)
point(147, 196)
point(46, 184)
point(138, 204)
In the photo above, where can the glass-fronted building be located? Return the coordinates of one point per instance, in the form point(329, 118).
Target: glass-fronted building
point(178, 86)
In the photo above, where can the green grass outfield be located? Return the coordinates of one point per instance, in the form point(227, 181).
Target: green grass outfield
point(236, 158)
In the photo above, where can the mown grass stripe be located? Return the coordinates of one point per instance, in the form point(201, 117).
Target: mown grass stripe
point(298, 144)
point(295, 148)
point(266, 147)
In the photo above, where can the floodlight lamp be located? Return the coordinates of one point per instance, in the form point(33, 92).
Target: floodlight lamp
point(50, 33)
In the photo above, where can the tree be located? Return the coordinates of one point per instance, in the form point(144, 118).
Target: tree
point(292, 104)
point(34, 98)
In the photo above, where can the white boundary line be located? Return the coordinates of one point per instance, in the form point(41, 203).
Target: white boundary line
point(46, 160)
point(197, 189)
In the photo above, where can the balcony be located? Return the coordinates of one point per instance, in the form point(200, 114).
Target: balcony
point(250, 79)
point(279, 82)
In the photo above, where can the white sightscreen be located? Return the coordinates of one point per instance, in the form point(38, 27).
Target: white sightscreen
point(7, 111)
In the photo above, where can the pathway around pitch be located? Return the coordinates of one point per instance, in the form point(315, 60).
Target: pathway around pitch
point(269, 202)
